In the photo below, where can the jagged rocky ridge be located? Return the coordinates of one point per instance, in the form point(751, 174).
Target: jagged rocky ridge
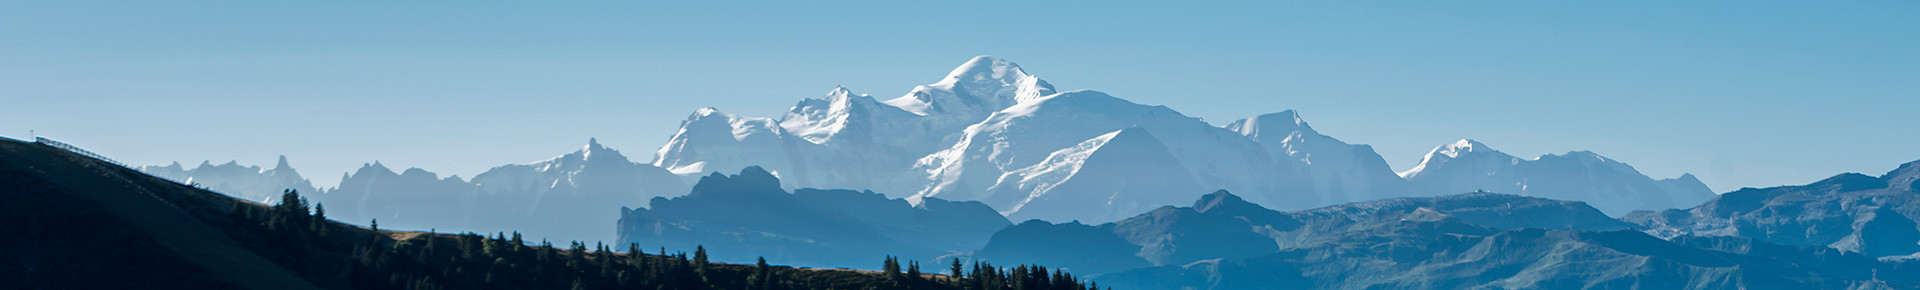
point(245, 182)
point(748, 215)
point(571, 197)
point(575, 196)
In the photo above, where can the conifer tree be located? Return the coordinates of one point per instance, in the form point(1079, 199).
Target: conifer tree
point(700, 258)
point(913, 273)
point(762, 275)
point(955, 269)
point(891, 268)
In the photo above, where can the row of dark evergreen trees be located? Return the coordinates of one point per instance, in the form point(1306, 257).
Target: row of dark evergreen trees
point(336, 255)
point(986, 276)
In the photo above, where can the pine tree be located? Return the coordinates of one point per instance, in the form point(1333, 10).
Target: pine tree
point(576, 256)
point(1019, 278)
point(319, 222)
point(891, 268)
point(700, 258)
point(762, 274)
point(955, 269)
point(1039, 277)
point(913, 273)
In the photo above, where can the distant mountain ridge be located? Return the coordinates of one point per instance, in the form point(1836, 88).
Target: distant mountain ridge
point(574, 196)
point(1608, 185)
point(245, 182)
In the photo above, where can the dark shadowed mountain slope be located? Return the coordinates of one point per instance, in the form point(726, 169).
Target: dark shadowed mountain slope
point(1850, 212)
point(747, 215)
point(74, 222)
point(1081, 247)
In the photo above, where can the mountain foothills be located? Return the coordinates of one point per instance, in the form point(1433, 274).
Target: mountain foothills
point(989, 132)
point(1475, 240)
point(1851, 212)
point(80, 223)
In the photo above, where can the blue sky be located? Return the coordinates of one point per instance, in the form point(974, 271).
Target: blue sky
point(1741, 93)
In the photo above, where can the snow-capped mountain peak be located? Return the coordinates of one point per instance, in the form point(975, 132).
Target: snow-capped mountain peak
point(1463, 146)
point(1310, 162)
point(839, 92)
point(1274, 126)
point(983, 68)
point(819, 120)
point(1447, 153)
point(982, 85)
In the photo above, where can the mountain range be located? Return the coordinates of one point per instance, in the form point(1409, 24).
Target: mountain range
point(994, 165)
point(988, 131)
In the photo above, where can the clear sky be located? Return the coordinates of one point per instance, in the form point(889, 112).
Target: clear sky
point(1742, 93)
